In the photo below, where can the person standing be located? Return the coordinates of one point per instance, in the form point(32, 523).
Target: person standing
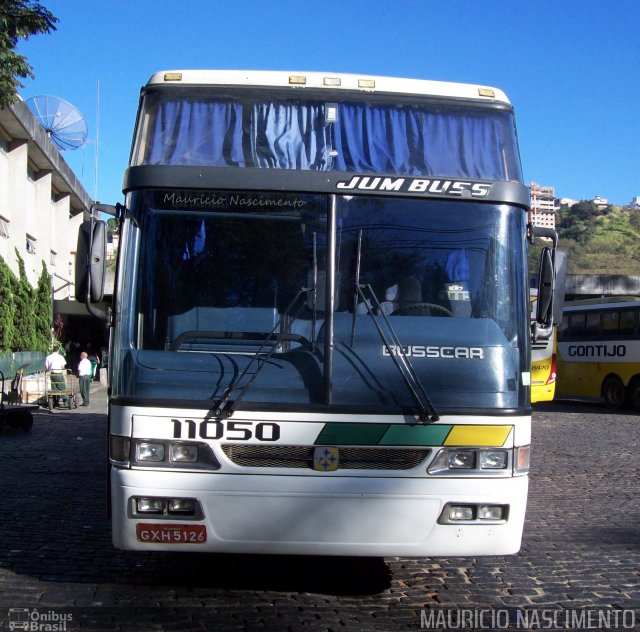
point(94, 359)
point(55, 364)
point(85, 371)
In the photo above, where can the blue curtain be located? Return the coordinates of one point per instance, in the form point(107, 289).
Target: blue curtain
point(388, 139)
point(196, 133)
point(290, 136)
point(365, 138)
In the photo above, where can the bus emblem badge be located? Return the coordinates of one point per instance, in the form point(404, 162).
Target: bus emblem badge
point(325, 459)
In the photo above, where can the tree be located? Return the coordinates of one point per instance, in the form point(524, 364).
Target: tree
point(7, 307)
point(24, 321)
point(42, 311)
point(19, 19)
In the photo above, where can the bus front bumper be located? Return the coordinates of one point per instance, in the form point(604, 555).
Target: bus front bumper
point(317, 516)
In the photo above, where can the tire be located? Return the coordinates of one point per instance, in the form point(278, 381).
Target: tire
point(613, 392)
point(50, 403)
point(633, 393)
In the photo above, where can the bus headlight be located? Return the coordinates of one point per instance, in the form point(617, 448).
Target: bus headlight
point(493, 459)
point(192, 455)
point(461, 512)
point(181, 506)
point(148, 451)
point(183, 453)
point(462, 460)
point(472, 461)
point(474, 513)
point(491, 512)
point(161, 508)
point(151, 505)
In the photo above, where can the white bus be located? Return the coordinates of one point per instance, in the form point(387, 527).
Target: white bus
point(320, 333)
point(599, 351)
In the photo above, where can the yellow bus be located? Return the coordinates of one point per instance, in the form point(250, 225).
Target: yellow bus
point(599, 351)
point(543, 362)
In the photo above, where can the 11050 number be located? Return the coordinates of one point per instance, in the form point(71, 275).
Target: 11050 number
point(228, 430)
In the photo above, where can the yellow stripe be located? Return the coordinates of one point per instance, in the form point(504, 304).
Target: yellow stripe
point(478, 435)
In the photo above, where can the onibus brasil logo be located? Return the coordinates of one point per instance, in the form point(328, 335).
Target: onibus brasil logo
point(38, 621)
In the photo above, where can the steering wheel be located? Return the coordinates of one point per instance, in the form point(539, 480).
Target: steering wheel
point(417, 309)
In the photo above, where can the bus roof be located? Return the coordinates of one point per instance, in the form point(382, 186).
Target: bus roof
point(341, 81)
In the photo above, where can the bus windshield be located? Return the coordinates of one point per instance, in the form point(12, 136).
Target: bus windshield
point(228, 275)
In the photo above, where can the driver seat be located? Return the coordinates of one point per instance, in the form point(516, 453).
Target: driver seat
point(404, 294)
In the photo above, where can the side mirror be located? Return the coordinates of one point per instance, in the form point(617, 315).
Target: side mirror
point(91, 264)
point(542, 326)
point(561, 286)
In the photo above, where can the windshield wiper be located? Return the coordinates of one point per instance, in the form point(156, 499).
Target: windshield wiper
point(224, 408)
point(428, 413)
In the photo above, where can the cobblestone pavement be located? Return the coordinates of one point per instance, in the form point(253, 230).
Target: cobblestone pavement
point(581, 546)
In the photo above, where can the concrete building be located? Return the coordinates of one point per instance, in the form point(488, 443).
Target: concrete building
point(600, 202)
point(565, 201)
point(42, 203)
point(543, 206)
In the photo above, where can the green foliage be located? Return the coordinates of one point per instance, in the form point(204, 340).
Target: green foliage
point(24, 321)
point(19, 19)
point(600, 241)
point(7, 307)
point(42, 311)
point(112, 227)
point(25, 312)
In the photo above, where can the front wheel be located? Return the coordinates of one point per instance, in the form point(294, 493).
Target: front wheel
point(633, 392)
point(613, 392)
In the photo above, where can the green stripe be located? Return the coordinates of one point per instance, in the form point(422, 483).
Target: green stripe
point(351, 434)
point(382, 434)
point(416, 435)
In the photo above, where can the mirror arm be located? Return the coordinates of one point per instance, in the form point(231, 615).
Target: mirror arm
point(544, 233)
point(540, 332)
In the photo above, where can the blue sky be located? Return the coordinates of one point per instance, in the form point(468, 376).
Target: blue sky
point(571, 68)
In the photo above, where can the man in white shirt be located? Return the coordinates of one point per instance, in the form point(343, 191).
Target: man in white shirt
point(55, 364)
point(84, 373)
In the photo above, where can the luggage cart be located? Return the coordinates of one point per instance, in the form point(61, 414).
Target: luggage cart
point(12, 411)
point(69, 390)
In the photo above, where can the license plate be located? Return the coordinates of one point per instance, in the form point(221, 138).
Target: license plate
point(171, 534)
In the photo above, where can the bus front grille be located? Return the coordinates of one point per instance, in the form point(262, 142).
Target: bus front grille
point(294, 456)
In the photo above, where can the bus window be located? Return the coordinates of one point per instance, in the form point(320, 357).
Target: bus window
point(627, 322)
point(577, 325)
point(592, 326)
point(610, 324)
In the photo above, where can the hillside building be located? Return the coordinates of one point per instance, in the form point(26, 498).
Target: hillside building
point(600, 202)
point(543, 205)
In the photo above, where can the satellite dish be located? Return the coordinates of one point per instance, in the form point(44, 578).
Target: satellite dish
point(62, 121)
